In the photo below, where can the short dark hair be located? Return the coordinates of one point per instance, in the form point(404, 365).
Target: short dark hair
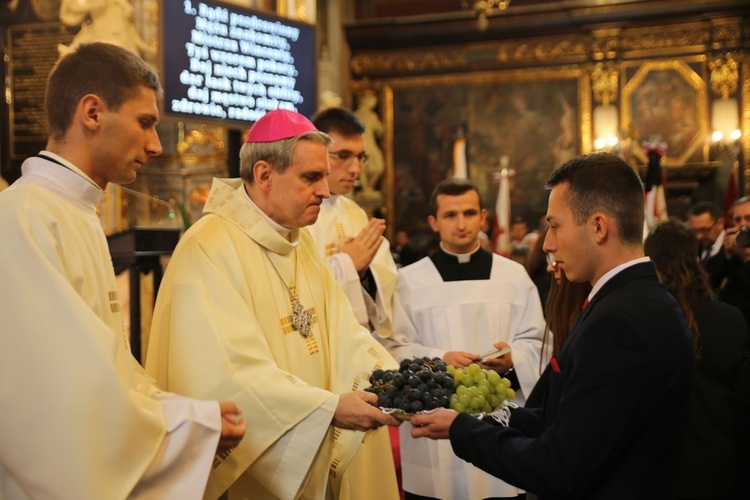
point(703, 207)
point(338, 120)
point(106, 70)
point(452, 186)
point(603, 182)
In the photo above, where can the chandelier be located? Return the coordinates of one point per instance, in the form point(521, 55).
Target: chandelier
point(485, 9)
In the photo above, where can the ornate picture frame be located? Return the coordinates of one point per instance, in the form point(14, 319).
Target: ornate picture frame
point(668, 96)
point(538, 118)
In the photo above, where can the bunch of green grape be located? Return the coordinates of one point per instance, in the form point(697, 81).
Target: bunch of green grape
point(477, 390)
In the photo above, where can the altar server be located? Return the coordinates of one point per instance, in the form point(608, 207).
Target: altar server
point(247, 308)
point(80, 419)
point(459, 303)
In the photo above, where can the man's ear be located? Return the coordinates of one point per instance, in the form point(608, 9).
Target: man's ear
point(601, 226)
point(262, 175)
point(432, 221)
point(90, 109)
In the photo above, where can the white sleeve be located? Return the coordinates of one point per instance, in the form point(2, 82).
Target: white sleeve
point(347, 277)
point(406, 342)
point(181, 466)
point(526, 341)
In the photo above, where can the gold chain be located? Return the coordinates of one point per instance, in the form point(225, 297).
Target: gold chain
point(301, 319)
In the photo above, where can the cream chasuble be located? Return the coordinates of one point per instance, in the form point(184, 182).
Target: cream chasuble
point(435, 316)
point(223, 328)
point(339, 218)
point(80, 419)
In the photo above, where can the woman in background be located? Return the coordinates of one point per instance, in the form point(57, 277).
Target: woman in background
point(562, 309)
point(720, 337)
point(539, 268)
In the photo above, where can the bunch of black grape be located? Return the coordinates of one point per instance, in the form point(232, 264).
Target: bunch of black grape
point(419, 384)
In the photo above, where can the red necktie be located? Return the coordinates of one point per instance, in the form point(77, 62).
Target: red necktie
point(585, 303)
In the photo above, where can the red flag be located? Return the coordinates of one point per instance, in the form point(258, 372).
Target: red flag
point(730, 198)
point(655, 202)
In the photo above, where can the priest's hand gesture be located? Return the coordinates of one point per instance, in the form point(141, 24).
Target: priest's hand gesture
point(232, 426)
point(362, 248)
point(433, 425)
point(358, 411)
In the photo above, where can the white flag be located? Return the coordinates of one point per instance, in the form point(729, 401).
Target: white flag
point(501, 232)
point(460, 169)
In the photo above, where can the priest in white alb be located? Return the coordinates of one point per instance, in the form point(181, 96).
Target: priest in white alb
point(457, 304)
point(360, 259)
point(80, 419)
point(247, 307)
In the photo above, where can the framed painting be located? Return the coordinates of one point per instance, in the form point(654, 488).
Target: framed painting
point(666, 101)
point(537, 118)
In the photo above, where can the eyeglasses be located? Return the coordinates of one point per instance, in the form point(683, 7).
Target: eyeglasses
point(551, 260)
point(705, 230)
point(348, 156)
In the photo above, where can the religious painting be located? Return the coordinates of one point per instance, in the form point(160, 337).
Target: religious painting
point(533, 117)
point(665, 101)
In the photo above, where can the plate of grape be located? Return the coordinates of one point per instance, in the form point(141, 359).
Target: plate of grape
point(425, 384)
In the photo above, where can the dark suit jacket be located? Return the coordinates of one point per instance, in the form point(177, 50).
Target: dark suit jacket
point(718, 268)
point(720, 392)
point(736, 290)
point(614, 416)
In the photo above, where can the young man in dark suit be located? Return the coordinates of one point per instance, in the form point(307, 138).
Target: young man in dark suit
point(614, 415)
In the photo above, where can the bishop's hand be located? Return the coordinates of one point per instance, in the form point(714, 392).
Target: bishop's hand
point(357, 411)
point(233, 426)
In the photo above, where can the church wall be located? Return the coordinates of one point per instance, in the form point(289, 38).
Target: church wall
point(529, 85)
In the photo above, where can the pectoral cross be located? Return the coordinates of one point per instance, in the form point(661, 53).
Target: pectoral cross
point(302, 319)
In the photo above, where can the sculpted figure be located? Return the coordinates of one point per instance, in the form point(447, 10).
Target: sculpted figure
point(104, 21)
point(373, 169)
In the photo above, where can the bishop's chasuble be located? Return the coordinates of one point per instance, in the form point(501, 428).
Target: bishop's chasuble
point(223, 326)
point(463, 314)
point(79, 417)
point(339, 218)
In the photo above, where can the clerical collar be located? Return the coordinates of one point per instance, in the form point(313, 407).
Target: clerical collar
point(283, 231)
point(477, 265)
point(463, 258)
point(69, 180)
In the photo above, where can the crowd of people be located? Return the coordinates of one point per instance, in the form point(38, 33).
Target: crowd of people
point(629, 359)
